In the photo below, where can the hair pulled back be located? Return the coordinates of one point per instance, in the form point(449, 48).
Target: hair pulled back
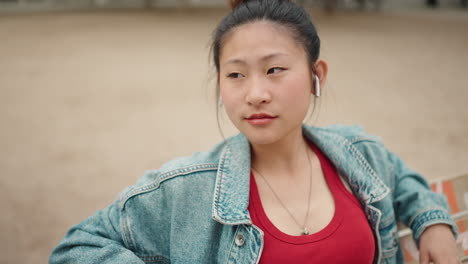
point(283, 13)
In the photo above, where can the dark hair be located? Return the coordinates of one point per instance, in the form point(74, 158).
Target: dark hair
point(283, 13)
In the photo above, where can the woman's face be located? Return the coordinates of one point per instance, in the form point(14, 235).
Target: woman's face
point(265, 81)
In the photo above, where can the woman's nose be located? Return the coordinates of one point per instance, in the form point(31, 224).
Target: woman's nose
point(258, 92)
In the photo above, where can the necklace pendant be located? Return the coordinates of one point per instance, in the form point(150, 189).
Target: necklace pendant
point(305, 231)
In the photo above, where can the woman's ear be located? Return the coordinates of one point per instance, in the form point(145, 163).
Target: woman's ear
point(321, 71)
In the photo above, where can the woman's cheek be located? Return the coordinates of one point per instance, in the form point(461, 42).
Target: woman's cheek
point(296, 92)
point(231, 105)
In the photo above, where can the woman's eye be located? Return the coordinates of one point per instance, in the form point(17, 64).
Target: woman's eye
point(275, 70)
point(234, 75)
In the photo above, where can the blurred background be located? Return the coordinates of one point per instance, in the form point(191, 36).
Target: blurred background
point(95, 92)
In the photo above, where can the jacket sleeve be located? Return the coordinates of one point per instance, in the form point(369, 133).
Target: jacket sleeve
point(415, 204)
point(98, 239)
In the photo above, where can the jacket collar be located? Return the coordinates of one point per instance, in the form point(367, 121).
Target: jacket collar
point(231, 195)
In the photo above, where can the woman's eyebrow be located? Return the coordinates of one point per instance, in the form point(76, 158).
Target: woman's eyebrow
point(264, 58)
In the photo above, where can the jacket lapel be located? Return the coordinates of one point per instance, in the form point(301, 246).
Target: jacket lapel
point(349, 162)
point(231, 195)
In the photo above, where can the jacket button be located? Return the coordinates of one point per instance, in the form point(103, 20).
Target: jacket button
point(240, 240)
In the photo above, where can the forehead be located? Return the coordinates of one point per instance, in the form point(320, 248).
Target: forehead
point(257, 39)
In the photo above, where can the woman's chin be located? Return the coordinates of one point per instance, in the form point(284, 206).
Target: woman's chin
point(261, 137)
point(270, 135)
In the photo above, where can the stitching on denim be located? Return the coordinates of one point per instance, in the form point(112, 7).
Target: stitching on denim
point(217, 191)
point(262, 241)
point(425, 210)
point(230, 219)
point(232, 244)
point(364, 163)
point(187, 170)
point(377, 233)
point(154, 259)
point(125, 239)
point(127, 235)
point(424, 219)
point(453, 228)
point(372, 172)
point(166, 176)
point(428, 216)
point(357, 139)
point(448, 221)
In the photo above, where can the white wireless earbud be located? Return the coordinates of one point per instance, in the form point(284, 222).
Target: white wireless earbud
point(317, 86)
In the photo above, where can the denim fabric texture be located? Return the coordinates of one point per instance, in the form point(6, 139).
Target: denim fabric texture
point(194, 209)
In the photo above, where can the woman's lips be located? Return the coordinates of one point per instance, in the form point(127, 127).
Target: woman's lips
point(260, 119)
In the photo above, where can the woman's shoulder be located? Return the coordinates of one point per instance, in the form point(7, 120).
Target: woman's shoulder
point(177, 174)
point(352, 133)
point(352, 141)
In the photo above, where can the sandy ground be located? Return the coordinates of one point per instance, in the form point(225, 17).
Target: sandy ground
point(90, 100)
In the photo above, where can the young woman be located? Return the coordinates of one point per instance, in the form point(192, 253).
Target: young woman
point(280, 191)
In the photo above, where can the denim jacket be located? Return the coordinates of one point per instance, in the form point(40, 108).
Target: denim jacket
point(194, 209)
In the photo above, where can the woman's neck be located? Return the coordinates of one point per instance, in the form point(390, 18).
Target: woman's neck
point(284, 157)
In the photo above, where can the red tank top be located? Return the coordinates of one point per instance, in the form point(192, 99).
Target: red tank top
point(348, 237)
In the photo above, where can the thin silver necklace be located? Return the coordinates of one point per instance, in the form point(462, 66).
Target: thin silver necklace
point(302, 227)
